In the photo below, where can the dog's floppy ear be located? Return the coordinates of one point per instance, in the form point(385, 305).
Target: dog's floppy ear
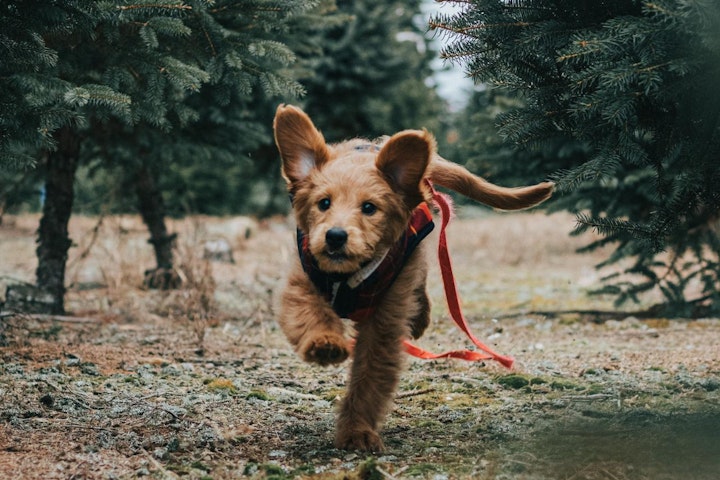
point(302, 146)
point(403, 161)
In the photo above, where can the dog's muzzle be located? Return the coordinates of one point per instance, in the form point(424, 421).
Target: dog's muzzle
point(335, 239)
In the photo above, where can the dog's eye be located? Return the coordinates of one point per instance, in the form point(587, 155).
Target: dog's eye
point(324, 204)
point(368, 208)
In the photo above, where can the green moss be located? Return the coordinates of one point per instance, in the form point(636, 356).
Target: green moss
point(421, 469)
point(273, 469)
point(564, 385)
point(251, 468)
point(179, 469)
point(303, 470)
point(514, 381)
point(259, 394)
point(595, 388)
point(269, 470)
point(200, 466)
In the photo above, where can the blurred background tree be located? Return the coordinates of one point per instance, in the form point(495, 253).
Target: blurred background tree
point(167, 109)
point(372, 77)
point(617, 98)
point(482, 149)
point(139, 88)
point(375, 82)
point(123, 106)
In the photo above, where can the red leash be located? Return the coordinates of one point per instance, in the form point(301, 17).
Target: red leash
point(443, 203)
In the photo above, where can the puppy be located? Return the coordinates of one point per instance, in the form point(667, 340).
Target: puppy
point(361, 213)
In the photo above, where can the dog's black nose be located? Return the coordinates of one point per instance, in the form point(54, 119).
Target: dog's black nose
point(336, 237)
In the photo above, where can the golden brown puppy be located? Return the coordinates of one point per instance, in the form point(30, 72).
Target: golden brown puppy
point(361, 213)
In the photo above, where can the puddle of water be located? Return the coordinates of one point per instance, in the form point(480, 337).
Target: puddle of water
point(639, 445)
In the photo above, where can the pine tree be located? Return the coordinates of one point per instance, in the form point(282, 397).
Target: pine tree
point(370, 78)
point(139, 84)
point(633, 82)
point(243, 177)
point(22, 123)
point(481, 148)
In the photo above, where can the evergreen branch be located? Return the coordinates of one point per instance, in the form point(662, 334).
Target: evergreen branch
point(186, 76)
point(595, 169)
point(609, 226)
point(457, 55)
point(439, 26)
point(650, 6)
point(570, 56)
point(242, 5)
point(165, 6)
point(99, 95)
point(536, 8)
point(633, 82)
point(209, 41)
point(653, 67)
point(287, 7)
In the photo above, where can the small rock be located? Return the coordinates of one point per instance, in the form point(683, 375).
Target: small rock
point(387, 459)
point(47, 400)
point(160, 453)
point(89, 368)
point(218, 250)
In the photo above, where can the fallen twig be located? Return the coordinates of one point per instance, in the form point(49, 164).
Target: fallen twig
point(600, 315)
point(384, 473)
point(588, 398)
point(413, 393)
point(51, 318)
point(275, 391)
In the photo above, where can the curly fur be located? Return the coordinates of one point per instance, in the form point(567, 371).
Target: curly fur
point(332, 186)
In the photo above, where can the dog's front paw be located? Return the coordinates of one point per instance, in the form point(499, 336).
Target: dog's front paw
point(364, 439)
point(325, 349)
point(419, 324)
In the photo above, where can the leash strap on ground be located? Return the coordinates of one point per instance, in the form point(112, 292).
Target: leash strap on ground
point(451, 294)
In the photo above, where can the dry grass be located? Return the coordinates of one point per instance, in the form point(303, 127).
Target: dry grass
point(199, 383)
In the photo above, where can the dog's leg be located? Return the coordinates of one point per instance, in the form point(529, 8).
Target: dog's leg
point(309, 323)
point(420, 322)
point(377, 362)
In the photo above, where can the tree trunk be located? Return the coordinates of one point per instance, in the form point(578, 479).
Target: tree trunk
point(53, 240)
point(152, 210)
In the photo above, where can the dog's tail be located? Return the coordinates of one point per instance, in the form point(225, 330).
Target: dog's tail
point(458, 178)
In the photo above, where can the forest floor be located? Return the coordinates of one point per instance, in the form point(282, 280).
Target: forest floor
point(199, 383)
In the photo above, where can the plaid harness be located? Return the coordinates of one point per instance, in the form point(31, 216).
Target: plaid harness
point(355, 296)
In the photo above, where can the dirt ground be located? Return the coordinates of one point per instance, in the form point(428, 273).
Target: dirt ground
point(199, 383)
